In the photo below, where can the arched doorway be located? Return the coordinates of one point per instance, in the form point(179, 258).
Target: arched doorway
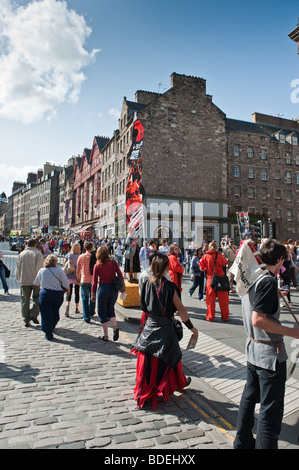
point(163, 233)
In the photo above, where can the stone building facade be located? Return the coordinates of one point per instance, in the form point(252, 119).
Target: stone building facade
point(199, 168)
point(184, 164)
point(87, 185)
point(263, 171)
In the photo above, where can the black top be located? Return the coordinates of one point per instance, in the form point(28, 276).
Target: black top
point(158, 337)
point(265, 300)
point(158, 299)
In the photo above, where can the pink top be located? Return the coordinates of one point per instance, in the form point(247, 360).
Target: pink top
point(83, 269)
point(104, 274)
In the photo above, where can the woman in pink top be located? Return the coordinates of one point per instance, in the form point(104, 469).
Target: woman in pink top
point(103, 274)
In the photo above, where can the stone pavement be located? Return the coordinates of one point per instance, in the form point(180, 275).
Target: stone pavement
point(77, 392)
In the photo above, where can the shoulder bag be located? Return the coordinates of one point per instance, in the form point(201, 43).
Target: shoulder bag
point(7, 271)
point(118, 282)
point(219, 283)
point(64, 289)
point(68, 268)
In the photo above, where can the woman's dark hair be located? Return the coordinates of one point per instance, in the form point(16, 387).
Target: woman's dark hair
point(271, 251)
point(151, 256)
point(158, 266)
point(172, 247)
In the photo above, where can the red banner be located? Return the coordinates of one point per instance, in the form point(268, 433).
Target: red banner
point(135, 192)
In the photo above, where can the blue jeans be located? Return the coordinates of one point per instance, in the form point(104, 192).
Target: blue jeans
point(198, 281)
point(50, 302)
point(88, 306)
point(3, 279)
point(106, 297)
point(266, 387)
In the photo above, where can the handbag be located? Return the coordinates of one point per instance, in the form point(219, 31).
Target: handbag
point(68, 268)
point(178, 328)
point(7, 271)
point(219, 283)
point(118, 282)
point(63, 288)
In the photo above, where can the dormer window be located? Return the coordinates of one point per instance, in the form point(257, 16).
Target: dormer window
point(281, 137)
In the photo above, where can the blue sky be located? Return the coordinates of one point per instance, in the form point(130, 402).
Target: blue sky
point(66, 66)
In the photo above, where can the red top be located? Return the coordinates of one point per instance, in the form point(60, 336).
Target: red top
point(104, 274)
point(207, 263)
point(176, 270)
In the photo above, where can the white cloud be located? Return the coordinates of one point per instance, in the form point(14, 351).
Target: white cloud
point(42, 58)
point(114, 112)
point(11, 173)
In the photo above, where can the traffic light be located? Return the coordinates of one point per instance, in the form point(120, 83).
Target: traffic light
point(257, 229)
point(46, 228)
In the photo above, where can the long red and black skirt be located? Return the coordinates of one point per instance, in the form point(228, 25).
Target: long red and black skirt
point(154, 379)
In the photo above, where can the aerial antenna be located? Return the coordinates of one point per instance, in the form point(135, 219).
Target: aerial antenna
point(160, 84)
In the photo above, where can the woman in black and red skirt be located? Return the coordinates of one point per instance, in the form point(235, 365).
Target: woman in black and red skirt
point(159, 368)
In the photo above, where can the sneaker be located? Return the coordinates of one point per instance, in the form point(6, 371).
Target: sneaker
point(6, 293)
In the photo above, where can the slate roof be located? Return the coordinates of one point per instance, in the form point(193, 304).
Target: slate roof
point(234, 125)
point(101, 141)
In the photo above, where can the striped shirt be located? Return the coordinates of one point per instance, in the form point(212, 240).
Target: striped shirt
point(83, 268)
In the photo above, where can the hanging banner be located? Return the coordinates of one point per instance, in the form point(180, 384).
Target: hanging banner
point(67, 207)
point(135, 192)
point(243, 224)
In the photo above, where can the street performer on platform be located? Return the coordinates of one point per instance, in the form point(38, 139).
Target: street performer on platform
point(266, 353)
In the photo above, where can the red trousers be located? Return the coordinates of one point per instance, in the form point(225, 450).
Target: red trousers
point(223, 300)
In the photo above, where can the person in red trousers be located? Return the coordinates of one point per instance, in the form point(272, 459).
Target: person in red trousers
point(176, 269)
point(207, 263)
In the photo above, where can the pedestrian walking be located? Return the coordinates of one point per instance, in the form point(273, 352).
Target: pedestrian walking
point(103, 275)
point(286, 274)
point(229, 252)
point(3, 275)
point(72, 257)
point(52, 282)
point(45, 247)
point(164, 248)
point(118, 253)
point(84, 278)
point(197, 276)
point(159, 368)
point(207, 263)
point(143, 256)
point(266, 355)
point(29, 262)
point(176, 269)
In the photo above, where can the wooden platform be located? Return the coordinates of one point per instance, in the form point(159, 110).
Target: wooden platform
point(133, 297)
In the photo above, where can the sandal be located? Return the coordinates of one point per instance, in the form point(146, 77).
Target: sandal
point(115, 334)
point(103, 338)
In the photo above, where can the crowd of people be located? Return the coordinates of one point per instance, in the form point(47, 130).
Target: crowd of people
point(89, 269)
